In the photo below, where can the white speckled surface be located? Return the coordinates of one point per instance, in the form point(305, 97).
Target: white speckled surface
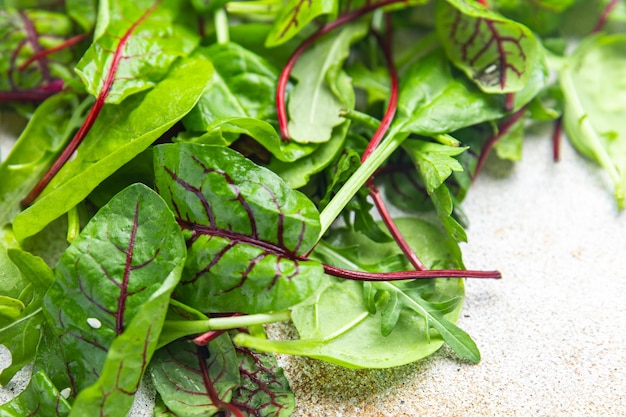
point(551, 333)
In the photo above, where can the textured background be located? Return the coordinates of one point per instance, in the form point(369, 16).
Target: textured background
point(551, 333)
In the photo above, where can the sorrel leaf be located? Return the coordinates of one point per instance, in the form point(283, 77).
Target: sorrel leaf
point(246, 228)
point(21, 335)
point(194, 380)
point(111, 295)
point(120, 133)
point(40, 398)
point(594, 123)
point(497, 53)
point(48, 130)
point(134, 45)
point(295, 16)
point(315, 102)
point(264, 390)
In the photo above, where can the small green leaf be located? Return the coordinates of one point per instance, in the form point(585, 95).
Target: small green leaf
point(295, 15)
point(40, 398)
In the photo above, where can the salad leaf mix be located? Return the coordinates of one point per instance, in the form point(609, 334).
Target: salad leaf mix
point(209, 168)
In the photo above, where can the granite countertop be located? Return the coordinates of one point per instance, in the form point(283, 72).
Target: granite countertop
point(551, 332)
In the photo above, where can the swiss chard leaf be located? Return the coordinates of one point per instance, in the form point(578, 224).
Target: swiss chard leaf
point(134, 45)
point(595, 124)
point(247, 229)
point(295, 16)
point(120, 133)
point(193, 380)
point(323, 90)
point(111, 296)
point(497, 53)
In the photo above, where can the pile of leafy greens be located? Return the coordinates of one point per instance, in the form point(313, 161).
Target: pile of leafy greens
point(188, 159)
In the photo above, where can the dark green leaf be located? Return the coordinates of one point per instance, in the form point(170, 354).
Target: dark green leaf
point(111, 296)
point(247, 229)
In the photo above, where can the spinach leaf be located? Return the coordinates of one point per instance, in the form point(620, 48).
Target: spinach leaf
point(295, 15)
point(595, 124)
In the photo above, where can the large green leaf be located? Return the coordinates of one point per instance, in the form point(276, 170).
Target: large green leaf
point(134, 45)
point(110, 298)
point(593, 84)
point(120, 133)
point(339, 323)
point(497, 53)
point(248, 230)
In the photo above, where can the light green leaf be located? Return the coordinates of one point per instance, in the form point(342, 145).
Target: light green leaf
point(295, 16)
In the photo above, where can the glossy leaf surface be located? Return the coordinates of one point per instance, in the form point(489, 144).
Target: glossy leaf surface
point(134, 45)
point(595, 124)
point(247, 230)
point(110, 298)
point(495, 52)
point(120, 133)
point(40, 398)
point(295, 15)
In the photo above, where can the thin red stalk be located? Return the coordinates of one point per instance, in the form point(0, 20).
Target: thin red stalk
point(504, 128)
point(45, 52)
point(484, 3)
point(32, 94)
point(391, 107)
point(393, 229)
point(32, 36)
point(509, 102)
point(283, 79)
point(91, 116)
point(401, 275)
point(604, 16)
point(556, 139)
point(205, 338)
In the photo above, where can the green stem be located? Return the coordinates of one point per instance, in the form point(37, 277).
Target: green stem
point(221, 26)
point(73, 224)
point(446, 139)
point(358, 179)
point(361, 118)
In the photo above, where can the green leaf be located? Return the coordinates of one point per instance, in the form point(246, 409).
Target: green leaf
point(541, 16)
point(119, 134)
point(295, 15)
point(433, 101)
point(194, 380)
point(21, 336)
point(323, 89)
point(40, 398)
point(263, 387)
point(48, 130)
point(342, 324)
point(134, 45)
point(247, 230)
point(444, 206)
point(497, 53)
point(592, 80)
point(110, 298)
point(435, 162)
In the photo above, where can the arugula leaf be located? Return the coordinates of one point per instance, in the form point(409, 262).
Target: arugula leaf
point(594, 123)
point(247, 230)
